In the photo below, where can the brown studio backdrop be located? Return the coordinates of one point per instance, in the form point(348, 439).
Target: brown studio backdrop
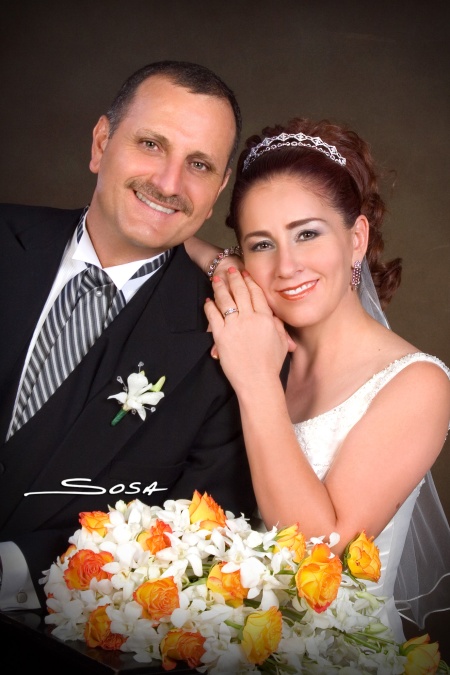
point(382, 67)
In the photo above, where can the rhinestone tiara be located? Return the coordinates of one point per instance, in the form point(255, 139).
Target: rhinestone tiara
point(293, 140)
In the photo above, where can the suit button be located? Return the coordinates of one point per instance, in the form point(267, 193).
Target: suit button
point(2, 468)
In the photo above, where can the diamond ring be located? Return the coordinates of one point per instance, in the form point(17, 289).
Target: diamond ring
point(230, 311)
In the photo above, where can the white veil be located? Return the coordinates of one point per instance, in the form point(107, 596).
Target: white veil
point(422, 585)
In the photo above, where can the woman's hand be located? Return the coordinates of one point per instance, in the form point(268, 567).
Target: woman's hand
point(249, 340)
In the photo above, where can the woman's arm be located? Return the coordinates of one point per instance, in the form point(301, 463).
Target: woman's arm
point(379, 463)
point(204, 255)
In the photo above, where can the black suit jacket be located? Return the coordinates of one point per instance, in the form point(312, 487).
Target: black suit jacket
point(192, 441)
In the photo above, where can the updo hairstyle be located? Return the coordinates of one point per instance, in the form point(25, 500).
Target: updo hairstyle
point(351, 189)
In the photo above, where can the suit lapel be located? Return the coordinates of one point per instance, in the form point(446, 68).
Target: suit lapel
point(148, 330)
point(24, 296)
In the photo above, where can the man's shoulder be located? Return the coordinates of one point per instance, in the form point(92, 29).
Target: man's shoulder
point(16, 213)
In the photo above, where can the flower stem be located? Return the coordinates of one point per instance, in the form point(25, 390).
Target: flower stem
point(118, 417)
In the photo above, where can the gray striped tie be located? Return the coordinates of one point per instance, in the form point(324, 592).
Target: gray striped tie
point(84, 308)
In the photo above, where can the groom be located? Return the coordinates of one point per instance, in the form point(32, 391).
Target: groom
point(162, 156)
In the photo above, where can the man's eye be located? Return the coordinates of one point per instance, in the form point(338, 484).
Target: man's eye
point(200, 166)
point(151, 145)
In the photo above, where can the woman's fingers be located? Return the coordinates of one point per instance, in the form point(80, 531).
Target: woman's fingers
point(290, 344)
point(257, 296)
point(241, 292)
point(234, 295)
point(214, 316)
point(215, 352)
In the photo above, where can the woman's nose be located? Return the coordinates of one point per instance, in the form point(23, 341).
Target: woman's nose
point(288, 262)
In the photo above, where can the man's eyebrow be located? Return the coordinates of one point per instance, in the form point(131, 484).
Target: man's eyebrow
point(154, 136)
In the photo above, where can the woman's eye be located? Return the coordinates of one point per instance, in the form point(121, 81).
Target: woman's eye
point(306, 234)
point(261, 246)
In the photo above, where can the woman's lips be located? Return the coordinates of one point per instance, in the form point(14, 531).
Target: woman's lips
point(298, 291)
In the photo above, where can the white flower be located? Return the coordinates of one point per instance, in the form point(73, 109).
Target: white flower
point(347, 638)
point(138, 393)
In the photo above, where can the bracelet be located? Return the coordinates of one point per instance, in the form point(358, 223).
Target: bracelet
point(234, 250)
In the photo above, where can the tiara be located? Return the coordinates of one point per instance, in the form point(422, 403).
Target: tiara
point(293, 140)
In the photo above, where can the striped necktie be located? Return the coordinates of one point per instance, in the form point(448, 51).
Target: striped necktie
point(87, 304)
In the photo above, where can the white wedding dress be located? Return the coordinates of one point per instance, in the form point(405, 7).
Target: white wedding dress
point(320, 439)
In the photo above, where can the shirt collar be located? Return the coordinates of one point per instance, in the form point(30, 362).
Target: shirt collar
point(84, 251)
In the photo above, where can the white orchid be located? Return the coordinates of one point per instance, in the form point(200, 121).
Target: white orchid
point(137, 394)
point(346, 638)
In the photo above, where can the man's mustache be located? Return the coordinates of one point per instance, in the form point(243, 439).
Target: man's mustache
point(151, 192)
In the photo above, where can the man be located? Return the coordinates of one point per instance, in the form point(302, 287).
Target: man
point(162, 156)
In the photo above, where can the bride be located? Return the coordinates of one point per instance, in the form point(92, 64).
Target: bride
point(369, 411)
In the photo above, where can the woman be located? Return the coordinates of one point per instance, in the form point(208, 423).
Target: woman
point(369, 411)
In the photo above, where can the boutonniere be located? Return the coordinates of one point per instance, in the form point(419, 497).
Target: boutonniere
point(137, 394)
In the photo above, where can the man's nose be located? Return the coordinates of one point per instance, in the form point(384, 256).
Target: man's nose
point(168, 177)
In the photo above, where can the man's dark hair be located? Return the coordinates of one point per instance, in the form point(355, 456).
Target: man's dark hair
point(193, 77)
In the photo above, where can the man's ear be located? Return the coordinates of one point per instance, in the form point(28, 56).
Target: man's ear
point(100, 137)
point(222, 187)
point(360, 237)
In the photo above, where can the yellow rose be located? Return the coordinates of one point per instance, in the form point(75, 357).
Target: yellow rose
point(318, 578)
point(85, 566)
point(261, 634)
point(363, 559)
point(157, 598)
point(205, 511)
point(181, 645)
point(292, 538)
point(228, 585)
point(97, 632)
point(68, 552)
point(95, 521)
point(422, 656)
point(155, 538)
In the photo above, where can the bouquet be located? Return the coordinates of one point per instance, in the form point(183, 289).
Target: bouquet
point(188, 582)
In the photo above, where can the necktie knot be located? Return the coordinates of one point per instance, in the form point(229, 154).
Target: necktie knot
point(93, 277)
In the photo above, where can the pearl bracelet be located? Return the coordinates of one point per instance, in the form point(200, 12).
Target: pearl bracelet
point(233, 250)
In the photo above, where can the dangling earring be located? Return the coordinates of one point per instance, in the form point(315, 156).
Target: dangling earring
point(356, 274)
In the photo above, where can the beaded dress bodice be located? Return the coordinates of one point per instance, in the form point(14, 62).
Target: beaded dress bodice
point(320, 439)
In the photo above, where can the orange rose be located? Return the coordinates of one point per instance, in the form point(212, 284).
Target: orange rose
point(318, 578)
point(227, 584)
point(97, 632)
point(363, 559)
point(204, 510)
point(85, 566)
point(181, 645)
point(293, 539)
point(154, 539)
point(95, 521)
point(158, 598)
point(261, 634)
point(422, 656)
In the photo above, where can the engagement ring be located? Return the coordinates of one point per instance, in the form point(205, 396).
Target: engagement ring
point(230, 311)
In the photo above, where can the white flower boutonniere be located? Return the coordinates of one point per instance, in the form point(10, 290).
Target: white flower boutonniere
point(137, 394)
